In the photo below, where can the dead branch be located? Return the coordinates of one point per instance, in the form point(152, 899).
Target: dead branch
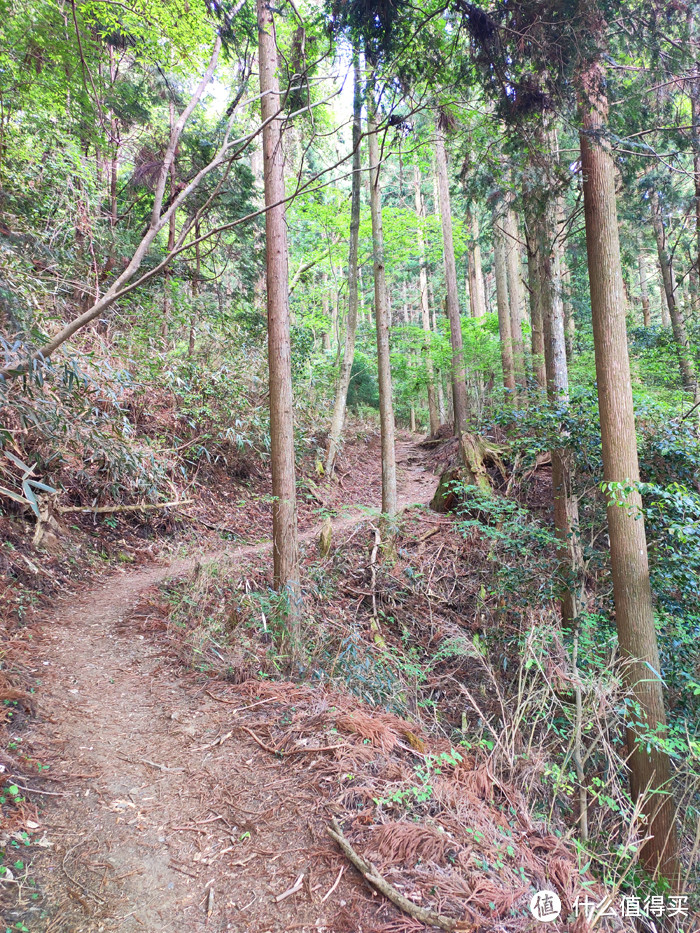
point(108, 509)
point(371, 875)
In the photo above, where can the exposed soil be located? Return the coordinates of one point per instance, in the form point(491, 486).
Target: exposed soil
point(161, 813)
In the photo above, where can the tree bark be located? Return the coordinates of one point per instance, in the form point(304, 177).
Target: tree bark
point(381, 311)
point(172, 228)
point(424, 303)
point(644, 289)
point(477, 302)
point(459, 385)
point(503, 304)
point(341, 392)
point(680, 334)
point(325, 310)
point(196, 282)
point(694, 93)
point(542, 215)
point(284, 510)
point(565, 279)
point(533, 281)
point(515, 295)
point(650, 772)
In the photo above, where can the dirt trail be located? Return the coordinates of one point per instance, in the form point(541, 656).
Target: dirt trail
point(160, 798)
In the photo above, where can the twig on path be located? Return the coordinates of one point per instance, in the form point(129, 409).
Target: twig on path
point(239, 708)
point(218, 741)
point(371, 875)
point(268, 748)
point(44, 793)
point(151, 764)
point(154, 764)
point(292, 751)
point(293, 890)
point(317, 748)
point(335, 885)
point(74, 881)
point(181, 870)
point(241, 862)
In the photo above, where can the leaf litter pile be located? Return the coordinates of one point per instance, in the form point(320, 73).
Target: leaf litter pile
point(396, 734)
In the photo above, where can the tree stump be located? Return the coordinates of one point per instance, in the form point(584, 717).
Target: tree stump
point(474, 453)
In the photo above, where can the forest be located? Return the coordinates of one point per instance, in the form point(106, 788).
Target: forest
point(349, 466)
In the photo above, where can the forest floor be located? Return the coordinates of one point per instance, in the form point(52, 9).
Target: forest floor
point(156, 807)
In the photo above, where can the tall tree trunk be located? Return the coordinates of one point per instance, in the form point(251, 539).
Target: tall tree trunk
point(644, 289)
point(680, 334)
point(172, 229)
point(515, 295)
point(694, 93)
point(565, 279)
point(424, 302)
point(443, 406)
point(341, 392)
point(112, 168)
point(196, 283)
point(361, 295)
point(503, 304)
point(381, 311)
point(459, 385)
point(548, 271)
point(477, 302)
point(325, 310)
point(531, 210)
point(284, 509)
point(649, 766)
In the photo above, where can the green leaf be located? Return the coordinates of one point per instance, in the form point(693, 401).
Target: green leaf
point(37, 485)
point(31, 498)
point(18, 462)
point(15, 496)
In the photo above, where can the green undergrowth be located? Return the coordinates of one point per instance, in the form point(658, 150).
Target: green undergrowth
point(460, 635)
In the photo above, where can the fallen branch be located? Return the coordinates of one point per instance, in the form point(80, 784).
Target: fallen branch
point(428, 534)
point(107, 509)
point(371, 875)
